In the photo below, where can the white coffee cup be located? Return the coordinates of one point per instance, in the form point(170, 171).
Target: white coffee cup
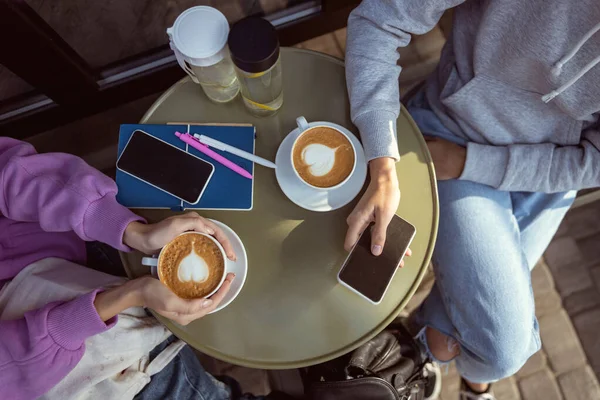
point(303, 127)
point(155, 261)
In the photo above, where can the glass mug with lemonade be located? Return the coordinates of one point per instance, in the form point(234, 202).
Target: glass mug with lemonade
point(199, 40)
point(254, 49)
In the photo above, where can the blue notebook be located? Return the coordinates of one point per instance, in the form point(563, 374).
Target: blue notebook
point(226, 189)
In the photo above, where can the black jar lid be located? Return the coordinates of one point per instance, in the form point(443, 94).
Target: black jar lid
point(253, 44)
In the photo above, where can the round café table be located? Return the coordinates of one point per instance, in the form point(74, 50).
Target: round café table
point(291, 311)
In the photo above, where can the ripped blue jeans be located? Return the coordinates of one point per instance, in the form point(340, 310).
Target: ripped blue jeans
point(488, 242)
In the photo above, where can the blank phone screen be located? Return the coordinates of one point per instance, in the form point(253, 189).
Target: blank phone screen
point(369, 274)
point(166, 167)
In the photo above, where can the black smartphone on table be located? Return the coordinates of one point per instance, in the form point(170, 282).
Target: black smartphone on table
point(370, 276)
point(166, 167)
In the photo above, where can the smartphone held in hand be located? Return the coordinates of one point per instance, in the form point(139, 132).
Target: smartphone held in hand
point(370, 276)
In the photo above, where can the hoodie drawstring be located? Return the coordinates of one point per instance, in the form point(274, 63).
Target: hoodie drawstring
point(557, 68)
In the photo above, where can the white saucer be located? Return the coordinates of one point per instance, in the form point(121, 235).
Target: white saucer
point(239, 267)
point(315, 199)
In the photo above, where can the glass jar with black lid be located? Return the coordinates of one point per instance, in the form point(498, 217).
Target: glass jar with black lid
point(254, 49)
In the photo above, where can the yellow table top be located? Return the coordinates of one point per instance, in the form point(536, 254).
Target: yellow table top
point(291, 311)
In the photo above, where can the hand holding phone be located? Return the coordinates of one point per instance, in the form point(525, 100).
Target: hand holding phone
point(369, 275)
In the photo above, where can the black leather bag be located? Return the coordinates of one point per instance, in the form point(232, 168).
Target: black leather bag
point(388, 367)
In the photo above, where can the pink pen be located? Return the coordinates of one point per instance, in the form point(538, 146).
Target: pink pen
point(187, 138)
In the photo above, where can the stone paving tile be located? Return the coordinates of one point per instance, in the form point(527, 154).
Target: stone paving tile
point(450, 389)
point(507, 389)
point(560, 342)
point(563, 229)
point(540, 386)
point(588, 328)
point(450, 382)
point(583, 221)
point(562, 253)
point(547, 303)
point(566, 261)
point(595, 271)
point(582, 301)
point(572, 278)
point(541, 278)
point(536, 363)
point(590, 249)
point(579, 384)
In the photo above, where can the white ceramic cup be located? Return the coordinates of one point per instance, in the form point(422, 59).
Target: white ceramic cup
point(303, 127)
point(155, 261)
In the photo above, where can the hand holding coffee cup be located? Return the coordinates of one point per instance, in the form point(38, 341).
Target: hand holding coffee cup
point(150, 238)
point(157, 296)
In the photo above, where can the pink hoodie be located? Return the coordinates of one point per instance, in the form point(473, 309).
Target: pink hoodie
point(49, 205)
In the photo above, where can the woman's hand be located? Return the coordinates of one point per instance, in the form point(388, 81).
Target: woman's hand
point(378, 204)
point(152, 293)
point(155, 295)
point(448, 158)
point(149, 238)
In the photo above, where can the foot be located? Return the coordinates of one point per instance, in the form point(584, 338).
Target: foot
point(466, 393)
point(433, 387)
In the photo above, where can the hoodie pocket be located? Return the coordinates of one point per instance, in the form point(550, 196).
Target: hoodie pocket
point(493, 112)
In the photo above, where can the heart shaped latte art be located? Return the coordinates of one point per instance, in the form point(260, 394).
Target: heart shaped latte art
point(192, 268)
point(319, 158)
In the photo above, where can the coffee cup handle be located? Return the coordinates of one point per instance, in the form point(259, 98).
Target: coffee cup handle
point(150, 261)
point(302, 123)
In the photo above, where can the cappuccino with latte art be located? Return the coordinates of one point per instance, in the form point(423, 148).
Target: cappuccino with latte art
point(192, 265)
point(323, 157)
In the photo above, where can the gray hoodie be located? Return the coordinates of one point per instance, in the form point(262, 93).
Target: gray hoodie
point(518, 80)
